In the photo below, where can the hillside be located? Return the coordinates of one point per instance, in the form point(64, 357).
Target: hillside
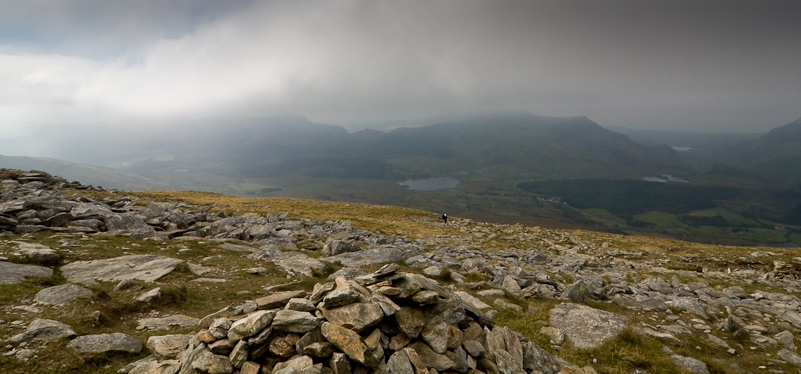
point(118, 277)
point(775, 155)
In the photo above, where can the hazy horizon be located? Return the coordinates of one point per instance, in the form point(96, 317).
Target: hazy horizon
point(715, 66)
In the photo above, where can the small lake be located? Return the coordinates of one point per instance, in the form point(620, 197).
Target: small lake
point(430, 184)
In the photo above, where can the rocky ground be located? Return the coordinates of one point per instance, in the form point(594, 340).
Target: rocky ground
point(93, 280)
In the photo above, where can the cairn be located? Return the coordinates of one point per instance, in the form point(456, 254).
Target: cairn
point(386, 322)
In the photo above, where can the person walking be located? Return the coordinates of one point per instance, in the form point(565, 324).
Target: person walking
point(444, 218)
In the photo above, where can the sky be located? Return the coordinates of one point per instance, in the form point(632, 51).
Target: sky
point(711, 66)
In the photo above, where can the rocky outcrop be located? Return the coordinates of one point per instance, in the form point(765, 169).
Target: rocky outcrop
point(371, 323)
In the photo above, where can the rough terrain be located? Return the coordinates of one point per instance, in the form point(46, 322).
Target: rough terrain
point(94, 280)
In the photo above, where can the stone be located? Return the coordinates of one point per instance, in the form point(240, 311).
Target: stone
point(149, 295)
point(283, 345)
point(46, 330)
point(210, 363)
point(301, 305)
point(319, 349)
point(147, 268)
point(414, 359)
point(219, 327)
point(341, 296)
point(425, 297)
point(370, 257)
point(356, 316)
point(102, 343)
point(38, 253)
point(473, 348)
point(511, 285)
point(556, 335)
point(339, 363)
point(472, 300)
point(586, 327)
point(335, 247)
point(297, 264)
point(168, 347)
point(431, 359)
point(790, 356)
point(690, 364)
point(411, 321)
point(399, 363)
point(297, 364)
point(349, 342)
point(786, 338)
point(60, 295)
point(386, 304)
point(295, 321)
point(279, 299)
point(250, 367)
point(535, 358)
point(239, 354)
point(251, 325)
point(164, 323)
point(11, 273)
point(437, 336)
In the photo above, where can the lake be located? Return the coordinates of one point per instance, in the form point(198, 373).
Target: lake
point(430, 184)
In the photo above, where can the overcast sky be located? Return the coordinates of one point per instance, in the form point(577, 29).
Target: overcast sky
point(724, 66)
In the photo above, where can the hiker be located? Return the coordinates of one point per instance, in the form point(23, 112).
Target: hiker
point(444, 218)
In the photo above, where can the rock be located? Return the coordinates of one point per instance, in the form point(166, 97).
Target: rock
point(11, 273)
point(536, 358)
point(46, 330)
point(300, 304)
point(410, 321)
point(60, 295)
point(690, 364)
point(295, 321)
point(250, 367)
point(239, 354)
point(296, 364)
point(431, 359)
point(399, 363)
point(147, 268)
point(335, 247)
point(339, 363)
point(369, 257)
point(167, 347)
point(38, 253)
point(210, 363)
point(790, 356)
point(472, 300)
point(786, 338)
point(437, 336)
point(278, 300)
point(349, 342)
point(554, 334)
point(586, 327)
point(356, 316)
point(251, 325)
point(103, 343)
point(341, 296)
point(164, 323)
point(149, 295)
point(296, 263)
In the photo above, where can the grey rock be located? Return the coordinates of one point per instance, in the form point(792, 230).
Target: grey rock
point(60, 295)
point(164, 323)
point(369, 257)
point(211, 363)
point(335, 247)
point(690, 364)
point(349, 342)
point(536, 358)
point(296, 263)
point(102, 343)
point(38, 253)
point(167, 347)
point(295, 321)
point(251, 325)
point(146, 268)
point(149, 295)
point(472, 300)
point(437, 336)
point(431, 359)
point(11, 273)
point(399, 363)
point(586, 327)
point(341, 296)
point(411, 321)
point(46, 330)
point(790, 356)
point(356, 316)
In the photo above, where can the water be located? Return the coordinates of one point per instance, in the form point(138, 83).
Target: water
point(430, 184)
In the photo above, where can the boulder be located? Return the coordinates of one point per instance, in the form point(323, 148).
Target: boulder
point(11, 273)
point(586, 327)
point(147, 268)
point(60, 295)
point(105, 343)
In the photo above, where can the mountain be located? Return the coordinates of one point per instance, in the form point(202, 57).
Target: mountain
point(519, 146)
point(775, 155)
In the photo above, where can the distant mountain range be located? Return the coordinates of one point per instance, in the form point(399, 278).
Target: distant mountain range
point(511, 146)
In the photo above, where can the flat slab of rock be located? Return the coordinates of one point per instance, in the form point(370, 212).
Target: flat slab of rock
point(102, 343)
point(177, 320)
point(146, 268)
point(60, 295)
point(586, 327)
point(370, 257)
point(472, 300)
point(11, 273)
point(38, 253)
point(296, 263)
point(46, 330)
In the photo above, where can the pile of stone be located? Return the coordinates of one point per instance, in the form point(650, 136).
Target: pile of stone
point(385, 322)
